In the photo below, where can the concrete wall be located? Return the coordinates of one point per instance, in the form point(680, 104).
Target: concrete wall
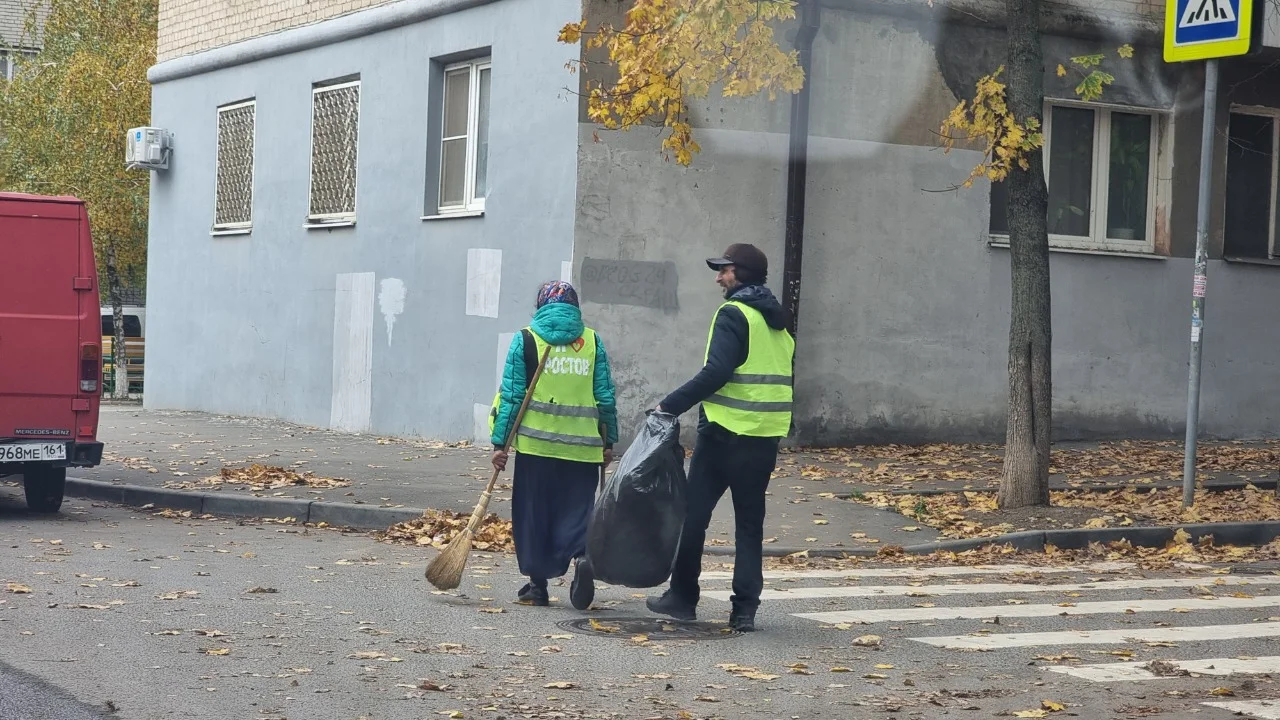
point(904, 304)
point(292, 323)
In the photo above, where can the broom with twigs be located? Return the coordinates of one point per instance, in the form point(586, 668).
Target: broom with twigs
point(445, 571)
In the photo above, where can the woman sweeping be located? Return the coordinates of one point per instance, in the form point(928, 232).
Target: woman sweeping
point(567, 435)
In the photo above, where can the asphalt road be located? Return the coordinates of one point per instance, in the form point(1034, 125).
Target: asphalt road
point(25, 697)
point(191, 618)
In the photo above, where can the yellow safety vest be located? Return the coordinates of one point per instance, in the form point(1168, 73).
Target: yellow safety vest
point(756, 401)
point(562, 420)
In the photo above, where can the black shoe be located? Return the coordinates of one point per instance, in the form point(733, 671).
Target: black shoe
point(535, 595)
point(743, 620)
point(583, 588)
point(671, 606)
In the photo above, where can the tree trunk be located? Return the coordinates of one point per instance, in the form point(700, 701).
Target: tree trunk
point(119, 351)
point(1025, 478)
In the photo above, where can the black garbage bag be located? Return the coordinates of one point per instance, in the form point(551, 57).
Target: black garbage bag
point(635, 527)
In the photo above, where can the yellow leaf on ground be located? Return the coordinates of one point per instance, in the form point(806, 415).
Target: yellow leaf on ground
point(601, 627)
point(560, 685)
point(17, 589)
point(1037, 713)
point(1052, 706)
point(217, 651)
point(1222, 692)
point(867, 641)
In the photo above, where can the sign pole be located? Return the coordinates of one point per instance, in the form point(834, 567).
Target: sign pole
point(1199, 280)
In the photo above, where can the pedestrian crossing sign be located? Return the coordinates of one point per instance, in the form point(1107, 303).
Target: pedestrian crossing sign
point(1205, 29)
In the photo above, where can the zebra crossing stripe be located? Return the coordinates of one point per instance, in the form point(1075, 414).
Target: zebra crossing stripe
point(1120, 672)
point(915, 572)
point(1046, 610)
point(801, 593)
point(1104, 637)
point(1260, 709)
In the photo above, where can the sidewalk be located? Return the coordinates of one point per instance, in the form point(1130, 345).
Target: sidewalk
point(182, 450)
point(827, 501)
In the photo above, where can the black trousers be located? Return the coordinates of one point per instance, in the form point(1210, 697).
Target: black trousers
point(743, 466)
point(551, 504)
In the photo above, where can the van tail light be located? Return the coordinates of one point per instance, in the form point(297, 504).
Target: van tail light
point(90, 367)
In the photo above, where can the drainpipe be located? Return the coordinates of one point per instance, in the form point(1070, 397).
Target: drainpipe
point(797, 164)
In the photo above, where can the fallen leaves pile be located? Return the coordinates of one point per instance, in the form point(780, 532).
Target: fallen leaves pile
point(263, 477)
point(437, 527)
point(961, 514)
point(979, 465)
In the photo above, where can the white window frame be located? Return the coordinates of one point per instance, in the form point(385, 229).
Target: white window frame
point(470, 203)
point(332, 219)
point(1100, 180)
point(1273, 244)
point(236, 228)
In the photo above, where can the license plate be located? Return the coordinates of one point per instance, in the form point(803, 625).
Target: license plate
point(32, 452)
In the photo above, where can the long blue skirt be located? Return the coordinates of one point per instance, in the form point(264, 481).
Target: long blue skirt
point(551, 504)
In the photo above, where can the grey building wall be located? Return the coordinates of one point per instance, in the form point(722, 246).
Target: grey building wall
point(281, 323)
point(904, 304)
point(13, 22)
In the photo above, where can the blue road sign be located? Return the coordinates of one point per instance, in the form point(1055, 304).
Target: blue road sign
point(1204, 29)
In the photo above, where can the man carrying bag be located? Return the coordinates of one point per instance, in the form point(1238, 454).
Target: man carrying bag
point(746, 396)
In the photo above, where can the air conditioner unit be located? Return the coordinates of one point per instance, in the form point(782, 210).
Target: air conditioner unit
point(148, 148)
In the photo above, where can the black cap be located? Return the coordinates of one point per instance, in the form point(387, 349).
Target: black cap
point(743, 255)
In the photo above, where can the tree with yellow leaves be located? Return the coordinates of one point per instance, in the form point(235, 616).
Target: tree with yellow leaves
point(63, 119)
point(668, 52)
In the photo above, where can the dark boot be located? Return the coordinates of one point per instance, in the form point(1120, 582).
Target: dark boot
point(535, 594)
point(743, 619)
point(583, 588)
point(671, 606)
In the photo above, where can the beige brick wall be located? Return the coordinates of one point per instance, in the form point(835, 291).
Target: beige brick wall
point(191, 26)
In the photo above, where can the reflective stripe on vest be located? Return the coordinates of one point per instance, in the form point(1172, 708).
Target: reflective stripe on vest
point(757, 400)
point(562, 420)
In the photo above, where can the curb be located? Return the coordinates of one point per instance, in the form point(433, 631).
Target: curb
point(372, 517)
point(1254, 533)
point(1209, 487)
point(349, 515)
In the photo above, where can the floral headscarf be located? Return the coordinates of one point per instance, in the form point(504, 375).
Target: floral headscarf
point(557, 291)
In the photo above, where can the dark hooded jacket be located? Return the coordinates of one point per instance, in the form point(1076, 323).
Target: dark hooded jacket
point(728, 349)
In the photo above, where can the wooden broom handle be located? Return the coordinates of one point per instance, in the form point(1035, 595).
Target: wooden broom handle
point(528, 397)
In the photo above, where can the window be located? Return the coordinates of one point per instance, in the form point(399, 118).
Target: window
point(233, 190)
point(1251, 184)
point(132, 326)
point(335, 131)
point(9, 60)
point(464, 137)
point(1099, 165)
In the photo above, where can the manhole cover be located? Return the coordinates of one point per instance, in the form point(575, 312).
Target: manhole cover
point(657, 629)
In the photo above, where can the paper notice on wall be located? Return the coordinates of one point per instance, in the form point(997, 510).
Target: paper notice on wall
point(1195, 333)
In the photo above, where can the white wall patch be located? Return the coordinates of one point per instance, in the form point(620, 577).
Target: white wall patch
point(566, 270)
point(391, 303)
point(481, 416)
point(484, 281)
point(351, 405)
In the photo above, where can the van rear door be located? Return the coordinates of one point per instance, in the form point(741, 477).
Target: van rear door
point(40, 315)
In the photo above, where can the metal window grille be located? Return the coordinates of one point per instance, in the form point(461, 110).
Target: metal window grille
point(335, 131)
point(233, 204)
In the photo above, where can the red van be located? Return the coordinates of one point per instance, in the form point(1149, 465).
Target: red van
point(50, 345)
